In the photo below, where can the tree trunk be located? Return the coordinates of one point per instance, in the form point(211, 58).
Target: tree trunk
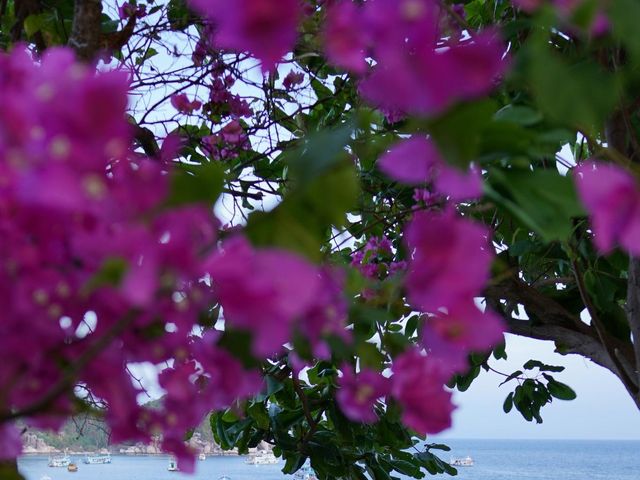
point(85, 32)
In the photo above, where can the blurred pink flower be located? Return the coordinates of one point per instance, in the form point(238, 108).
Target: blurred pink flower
point(612, 198)
point(450, 259)
point(358, 393)
point(417, 384)
point(267, 29)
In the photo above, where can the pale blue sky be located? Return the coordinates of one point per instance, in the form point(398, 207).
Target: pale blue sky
point(603, 410)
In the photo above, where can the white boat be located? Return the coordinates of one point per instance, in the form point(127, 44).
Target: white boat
point(173, 465)
point(224, 478)
point(263, 458)
point(97, 459)
point(461, 462)
point(202, 456)
point(45, 477)
point(305, 473)
point(59, 461)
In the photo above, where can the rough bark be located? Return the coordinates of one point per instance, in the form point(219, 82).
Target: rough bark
point(85, 32)
point(633, 309)
point(622, 137)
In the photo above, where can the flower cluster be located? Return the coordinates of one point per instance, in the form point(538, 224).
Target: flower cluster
point(403, 37)
point(375, 259)
point(181, 102)
point(222, 102)
point(228, 142)
point(106, 268)
point(85, 235)
point(416, 383)
point(449, 266)
point(103, 270)
point(418, 161)
point(267, 29)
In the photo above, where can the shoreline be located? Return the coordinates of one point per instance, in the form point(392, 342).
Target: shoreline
point(120, 454)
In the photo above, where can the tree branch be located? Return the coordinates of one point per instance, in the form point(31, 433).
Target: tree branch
point(548, 320)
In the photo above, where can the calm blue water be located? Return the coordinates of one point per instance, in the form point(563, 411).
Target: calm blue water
point(494, 460)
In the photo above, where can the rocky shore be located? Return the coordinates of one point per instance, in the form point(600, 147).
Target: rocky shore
point(34, 444)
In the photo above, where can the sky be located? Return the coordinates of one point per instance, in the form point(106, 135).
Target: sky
point(602, 410)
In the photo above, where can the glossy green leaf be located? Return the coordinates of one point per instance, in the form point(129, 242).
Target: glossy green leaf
point(542, 200)
point(561, 391)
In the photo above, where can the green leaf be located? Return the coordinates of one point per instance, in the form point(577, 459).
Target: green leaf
point(508, 403)
point(318, 153)
point(458, 133)
point(580, 95)
point(196, 183)
point(624, 14)
point(219, 429)
point(178, 15)
point(321, 90)
point(542, 200)
point(259, 413)
point(519, 114)
point(531, 364)
point(561, 391)
point(34, 23)
point(302, 221)
point(412, 325)
point(273, 385)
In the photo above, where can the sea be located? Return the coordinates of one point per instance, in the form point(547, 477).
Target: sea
point(493, 460)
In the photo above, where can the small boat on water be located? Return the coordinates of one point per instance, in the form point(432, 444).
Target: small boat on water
point(262, 458)
point(202, 456)
point(97, 459)
point(173, 465)
point(45, 477)
point(462, 462)
point(305, 473)
point(72, 467)
point(59, 461)
point(224, 477)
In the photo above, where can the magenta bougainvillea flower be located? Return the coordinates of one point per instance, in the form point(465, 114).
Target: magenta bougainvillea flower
point(417, 160)
point(346, 36)
point(449, 337)
point(181, 102)
point(359, 392)
point(612, 198)
point(266, 29)
point(403, 79)
point(413, 161)
point(404, 40)
point(457, 184)
point(450, 260)
point(292, 79)
point(418, 385)
point(262, 291)
point(10, 441)
point(327, 313)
